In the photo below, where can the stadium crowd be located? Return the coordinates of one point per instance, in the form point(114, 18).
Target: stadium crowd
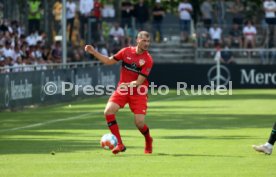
point(22, 45)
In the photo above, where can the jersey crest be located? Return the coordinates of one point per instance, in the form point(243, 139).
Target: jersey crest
point(141, 62)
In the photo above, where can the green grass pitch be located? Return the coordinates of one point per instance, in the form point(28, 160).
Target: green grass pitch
point(194, 136)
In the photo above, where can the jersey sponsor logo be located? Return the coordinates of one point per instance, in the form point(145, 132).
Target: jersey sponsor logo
point(142, 62)
point(128, 58)
point(132, 67)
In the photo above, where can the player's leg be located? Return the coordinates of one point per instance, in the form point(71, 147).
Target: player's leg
point(139, 120)
point(115, 102)
point(109, 113)
point(268, 146)
point(138, 105)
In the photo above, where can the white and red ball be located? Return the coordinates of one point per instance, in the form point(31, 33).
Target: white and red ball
point(109, 141)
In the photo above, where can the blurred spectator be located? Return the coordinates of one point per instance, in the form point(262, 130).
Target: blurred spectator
point(141, 14)
point(270, 8)
point(4, 26)
point(215, 33)
point(70, 16)
point(24, 51)
point(202, 35)
point(42, 38)
point(267, 57)
point(57, 12)
point(37, 53)
point(249, 33)
point(108, 10)
point(31, 57)
point(207, 13)
point(76, 39)
point(101, 47)
point(7, 64)
point(238, 13)
point(270, 18)
point(196, 10)
point(56, 53)
point(185, 9)
point(32, 38)
point(76, 54)
point(16, 28)
point(126, 14)
point(16, 53)
point(7, 50)
point(46, 54)
point(227, 55)
point(158, 15)
point(86, 7)
point(117, 37)
point(17, 65)
point(96, 13)
point(236, 36)
point(220, 11)
point(35, 15)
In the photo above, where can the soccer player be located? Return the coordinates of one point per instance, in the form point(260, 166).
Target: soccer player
point(136, 66)
point(268, 146)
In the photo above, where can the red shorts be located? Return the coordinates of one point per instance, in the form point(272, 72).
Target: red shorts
point(137, 103)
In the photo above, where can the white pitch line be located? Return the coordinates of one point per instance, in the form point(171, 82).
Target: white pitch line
point(69, 118)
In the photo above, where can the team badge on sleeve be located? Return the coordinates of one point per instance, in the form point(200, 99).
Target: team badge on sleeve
point(141, 62)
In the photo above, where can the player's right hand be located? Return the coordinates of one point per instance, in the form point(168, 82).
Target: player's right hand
point(89, 49)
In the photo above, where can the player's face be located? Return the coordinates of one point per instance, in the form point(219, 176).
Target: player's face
point(143, 43)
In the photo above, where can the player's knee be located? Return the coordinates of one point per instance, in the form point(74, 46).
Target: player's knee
point(109, 111)
point(139, 123)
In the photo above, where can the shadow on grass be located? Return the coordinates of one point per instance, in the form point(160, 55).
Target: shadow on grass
point(42, 146)
point(219, 97)
point(207, 137)
point(177, 155)
point(196, 155)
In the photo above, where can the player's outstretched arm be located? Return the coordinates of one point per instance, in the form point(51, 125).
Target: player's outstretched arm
point(104, 59)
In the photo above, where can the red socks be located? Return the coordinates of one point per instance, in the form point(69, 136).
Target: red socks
point(113, 126)
point(145, 131)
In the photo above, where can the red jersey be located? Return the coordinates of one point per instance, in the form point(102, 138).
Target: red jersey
point(134, 64)
point(97, 10)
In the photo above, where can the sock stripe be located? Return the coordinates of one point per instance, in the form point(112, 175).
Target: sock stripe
point(112, 123)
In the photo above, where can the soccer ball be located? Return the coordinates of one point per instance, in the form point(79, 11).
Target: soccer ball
point(109, 141)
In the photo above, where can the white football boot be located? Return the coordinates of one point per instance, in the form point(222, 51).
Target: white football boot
point(263, 148)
